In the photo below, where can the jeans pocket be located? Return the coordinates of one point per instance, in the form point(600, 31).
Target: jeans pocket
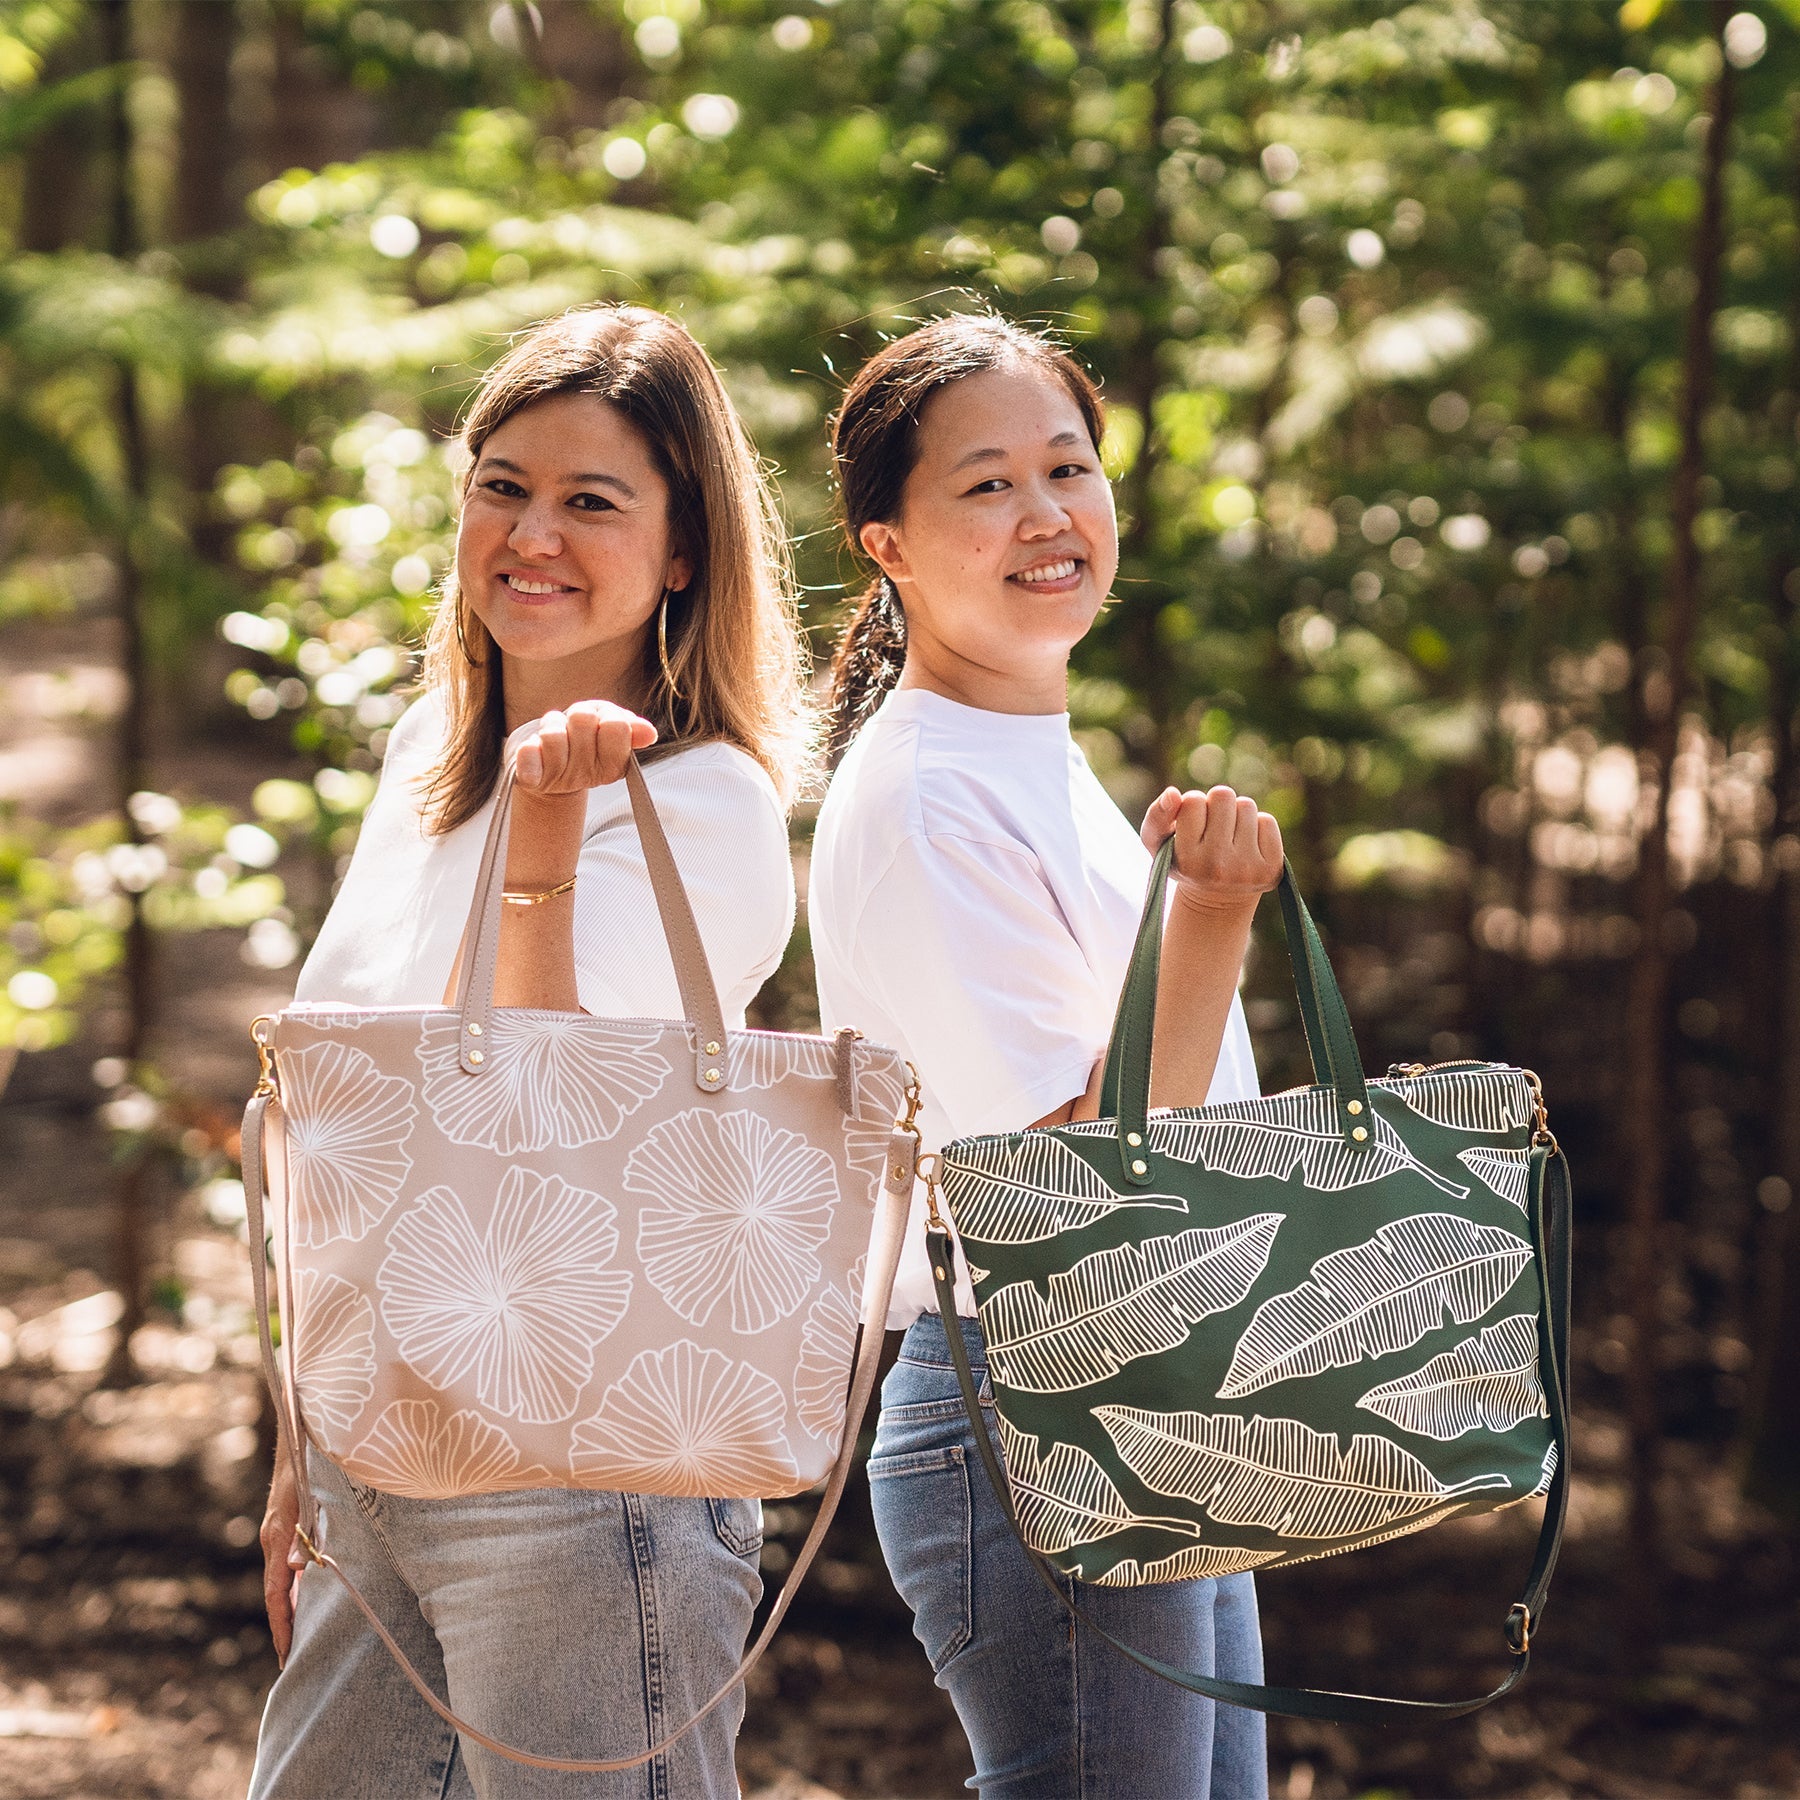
point(738, 1525)
point(922, 1516)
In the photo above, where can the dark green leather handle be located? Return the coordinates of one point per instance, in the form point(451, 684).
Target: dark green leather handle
point(1549, 1206)
point(1125, 1093)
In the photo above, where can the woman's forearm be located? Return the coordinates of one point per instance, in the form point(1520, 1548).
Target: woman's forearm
point(1204, 941)
point(536, 965)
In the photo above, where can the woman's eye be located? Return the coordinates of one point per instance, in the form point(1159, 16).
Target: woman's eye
point(592, 503)
point(1067, 471)
point(991, 486)
point(506, 490)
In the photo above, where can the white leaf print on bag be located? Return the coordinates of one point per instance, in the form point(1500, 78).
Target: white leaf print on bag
point(1065, 1498)
point(1195, 1563)
point(1377, 1297)
point(1278, 1474)
point(1507, 1172)
point(1549, 1475)
point(1486, 1383)
point(759, 1059)
point(417, 1449)
point(827, 1343)
point(1297, 1130)
point(1493, 1100)
point(737, 1211)
point(688, 1421)
point(347, 1127)
point(1118, 1305)
point(333, 1338)
point(551, 1078)
point(1025, 1192)
point(517, 1309)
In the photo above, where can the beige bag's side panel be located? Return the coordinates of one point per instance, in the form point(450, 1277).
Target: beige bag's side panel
point(574, 1269)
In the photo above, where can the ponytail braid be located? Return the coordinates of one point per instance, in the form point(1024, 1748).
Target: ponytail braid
point(871, 652)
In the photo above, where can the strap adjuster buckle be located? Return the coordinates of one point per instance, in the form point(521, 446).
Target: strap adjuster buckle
point(1518, 1629)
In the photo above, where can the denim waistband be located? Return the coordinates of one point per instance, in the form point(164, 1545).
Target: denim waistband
point(927, 1342)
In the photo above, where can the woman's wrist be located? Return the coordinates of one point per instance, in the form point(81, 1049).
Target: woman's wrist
point(545, 844)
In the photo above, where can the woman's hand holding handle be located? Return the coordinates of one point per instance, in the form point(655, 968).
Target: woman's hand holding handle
point(283, 1559)
point(1227, 852)
point(585, 747)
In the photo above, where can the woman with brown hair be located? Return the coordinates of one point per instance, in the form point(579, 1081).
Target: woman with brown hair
point(975, 897)
point(621, 579)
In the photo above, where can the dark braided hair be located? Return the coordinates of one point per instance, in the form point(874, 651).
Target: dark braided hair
point(874, 445)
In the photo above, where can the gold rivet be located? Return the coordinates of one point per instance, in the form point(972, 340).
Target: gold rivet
point(1354, 1108)
point(475, 1056)
point(711, 1075)
point(712, 1049)
point(1132, 1138)
point(1140, 1168)
point(898, 1171)
point(1360, 1133)
point(474, 1030)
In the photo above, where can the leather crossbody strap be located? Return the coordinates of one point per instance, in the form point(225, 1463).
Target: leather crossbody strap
point(1550, 1224)
point(884, 1259)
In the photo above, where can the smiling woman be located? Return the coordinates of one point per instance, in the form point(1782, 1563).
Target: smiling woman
point(619, 585)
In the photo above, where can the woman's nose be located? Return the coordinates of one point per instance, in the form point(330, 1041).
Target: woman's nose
point(535, 533)
point(1044, 515)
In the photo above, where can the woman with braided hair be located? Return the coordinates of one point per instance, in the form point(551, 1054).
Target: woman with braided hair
point(975, 897)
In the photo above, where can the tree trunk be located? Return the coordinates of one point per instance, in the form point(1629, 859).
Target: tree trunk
point(1144, 598)
point(209, 194)
point(58, 202)
point(1772, 1419)
point(133, 1194)
point(1647, 1112)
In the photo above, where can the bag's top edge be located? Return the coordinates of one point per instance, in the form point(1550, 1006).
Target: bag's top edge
point(328, 1012)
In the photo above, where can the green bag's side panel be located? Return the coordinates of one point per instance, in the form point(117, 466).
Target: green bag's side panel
point(1273, 1349)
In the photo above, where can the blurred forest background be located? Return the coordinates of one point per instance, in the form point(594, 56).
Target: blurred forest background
point(1453, 358)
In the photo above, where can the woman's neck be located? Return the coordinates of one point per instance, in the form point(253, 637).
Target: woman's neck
point(608, 672)
point(933, 666)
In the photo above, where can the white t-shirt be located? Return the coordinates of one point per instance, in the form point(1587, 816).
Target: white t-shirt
point(392, 934)
point(974, 900)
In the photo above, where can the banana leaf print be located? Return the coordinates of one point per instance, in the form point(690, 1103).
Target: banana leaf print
point(1002, 1192)
point(1495, 1100)
point(1486, 1383)
point(1195, 1563)
point(1065, 1498)
point(1275, 1137)
point(1377, 1297)
point(1118, 1305)
point(1507, 1172)
point(1278, 1474)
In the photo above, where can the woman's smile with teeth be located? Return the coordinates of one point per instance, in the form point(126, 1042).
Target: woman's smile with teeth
point(1056, 571)
point(520, 585)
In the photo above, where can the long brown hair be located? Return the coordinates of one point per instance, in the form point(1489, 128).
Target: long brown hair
point(736, 661)
point(874, 445)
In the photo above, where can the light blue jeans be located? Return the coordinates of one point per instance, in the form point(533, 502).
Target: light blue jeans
point(1052, 1712)
point(582, 1625)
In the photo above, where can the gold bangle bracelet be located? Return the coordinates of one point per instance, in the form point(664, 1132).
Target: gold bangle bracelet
point(535, 897)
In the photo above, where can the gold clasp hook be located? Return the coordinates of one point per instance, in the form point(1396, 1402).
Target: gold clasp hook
point(1540, 1124)
point(931, 1168)
point(265, 1054)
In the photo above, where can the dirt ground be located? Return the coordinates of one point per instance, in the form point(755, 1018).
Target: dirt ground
point(134, 1658)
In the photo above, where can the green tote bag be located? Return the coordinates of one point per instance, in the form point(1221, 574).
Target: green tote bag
point(1229, 1337)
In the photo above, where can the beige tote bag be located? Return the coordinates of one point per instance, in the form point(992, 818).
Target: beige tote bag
point(519, 1248)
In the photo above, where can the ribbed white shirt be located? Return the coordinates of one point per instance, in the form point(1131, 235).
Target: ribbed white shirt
point(391, 936)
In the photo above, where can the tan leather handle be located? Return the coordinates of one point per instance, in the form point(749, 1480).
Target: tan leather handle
point(884, 1260)
point(481, 937)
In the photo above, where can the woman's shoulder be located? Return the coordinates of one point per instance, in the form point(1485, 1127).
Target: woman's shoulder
point(716, 773)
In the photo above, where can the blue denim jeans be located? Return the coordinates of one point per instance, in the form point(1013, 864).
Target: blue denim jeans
point(1052, 1712)
point(570, 1624)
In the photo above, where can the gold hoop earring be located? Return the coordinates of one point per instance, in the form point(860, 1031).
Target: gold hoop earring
point(662, 645)
point(457, 618)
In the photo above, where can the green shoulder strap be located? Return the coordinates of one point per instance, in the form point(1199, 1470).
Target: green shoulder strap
point(1550, 1224)
point(1125, 1093)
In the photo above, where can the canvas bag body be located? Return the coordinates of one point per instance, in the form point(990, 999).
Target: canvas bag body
point(573, 1270)
point(521, 1248)
point(1229, 1337)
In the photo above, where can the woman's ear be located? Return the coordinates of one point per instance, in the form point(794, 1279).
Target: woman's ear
point(678, 574)
point(881, 543)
